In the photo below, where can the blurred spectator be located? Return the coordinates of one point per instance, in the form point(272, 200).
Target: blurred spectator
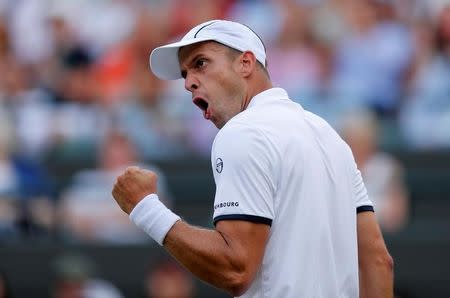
point(103, 23)
point(168, 279)
point(294, 61)
point(425, 118)
point(329, 23)
point(87, 210)
point(372, 59)
point(255, 15)
point(79, 119)
point(122, 61)
point(129, 96)
point(28, 106)
point(382, 173)
point(9, 183)
point(25, 207)
point(76, 276)
point(146, 119)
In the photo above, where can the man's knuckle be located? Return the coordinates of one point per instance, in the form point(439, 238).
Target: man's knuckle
point(132, 169)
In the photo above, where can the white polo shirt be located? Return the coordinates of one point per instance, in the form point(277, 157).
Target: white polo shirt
point(277, 164)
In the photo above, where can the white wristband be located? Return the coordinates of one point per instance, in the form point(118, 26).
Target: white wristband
point(152, 216)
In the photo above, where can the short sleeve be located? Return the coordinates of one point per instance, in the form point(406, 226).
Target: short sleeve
point(243, 165)
point(363, 203)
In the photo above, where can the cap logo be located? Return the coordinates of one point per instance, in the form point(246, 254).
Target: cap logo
point(195, 35)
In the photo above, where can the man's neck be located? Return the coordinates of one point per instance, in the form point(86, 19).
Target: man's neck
point(252, 92)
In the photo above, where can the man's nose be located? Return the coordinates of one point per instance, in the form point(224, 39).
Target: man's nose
point(190, 83)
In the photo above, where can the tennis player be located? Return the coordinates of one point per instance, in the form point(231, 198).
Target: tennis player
point(291, 212)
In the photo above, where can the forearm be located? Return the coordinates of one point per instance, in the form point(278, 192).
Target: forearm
point(376, 280)
point(209, 255)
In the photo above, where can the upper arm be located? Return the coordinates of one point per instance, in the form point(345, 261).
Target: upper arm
point(245, 179)
point(375, 263)
point(247, 241)
point(371, 246)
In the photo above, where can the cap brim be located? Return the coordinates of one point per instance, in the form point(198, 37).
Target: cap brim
point(164, 60)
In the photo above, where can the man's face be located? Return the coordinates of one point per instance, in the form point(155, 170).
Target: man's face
point(211, 75)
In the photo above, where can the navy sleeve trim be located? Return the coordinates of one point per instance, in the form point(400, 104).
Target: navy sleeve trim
point(251, 218)
point(364, 209)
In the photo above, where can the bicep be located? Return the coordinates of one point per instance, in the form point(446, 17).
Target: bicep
point(370, 239)
point(247, 240)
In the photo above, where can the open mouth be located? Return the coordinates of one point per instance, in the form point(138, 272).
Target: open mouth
point(201, 103)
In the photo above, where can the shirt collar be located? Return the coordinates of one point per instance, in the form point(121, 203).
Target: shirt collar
point(267, 96)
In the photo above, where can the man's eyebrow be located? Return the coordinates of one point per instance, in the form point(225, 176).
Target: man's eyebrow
point(190, 63)
point(195, 59)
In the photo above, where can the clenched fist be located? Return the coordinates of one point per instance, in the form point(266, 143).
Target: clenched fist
point(132, 186)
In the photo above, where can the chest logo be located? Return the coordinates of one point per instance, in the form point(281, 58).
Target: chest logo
point(219, 165)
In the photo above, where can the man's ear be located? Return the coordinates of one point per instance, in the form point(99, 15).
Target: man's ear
point(247, 63)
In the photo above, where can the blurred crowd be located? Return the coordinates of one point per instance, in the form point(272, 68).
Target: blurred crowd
point(75, 89)
point(77, 275)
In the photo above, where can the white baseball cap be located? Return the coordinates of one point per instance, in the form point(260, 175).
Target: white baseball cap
point(164, 60)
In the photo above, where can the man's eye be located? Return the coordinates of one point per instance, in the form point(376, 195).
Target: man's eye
point(200, 63)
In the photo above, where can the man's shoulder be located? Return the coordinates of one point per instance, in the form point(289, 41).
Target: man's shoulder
point(239, 133)
point(237, 128)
